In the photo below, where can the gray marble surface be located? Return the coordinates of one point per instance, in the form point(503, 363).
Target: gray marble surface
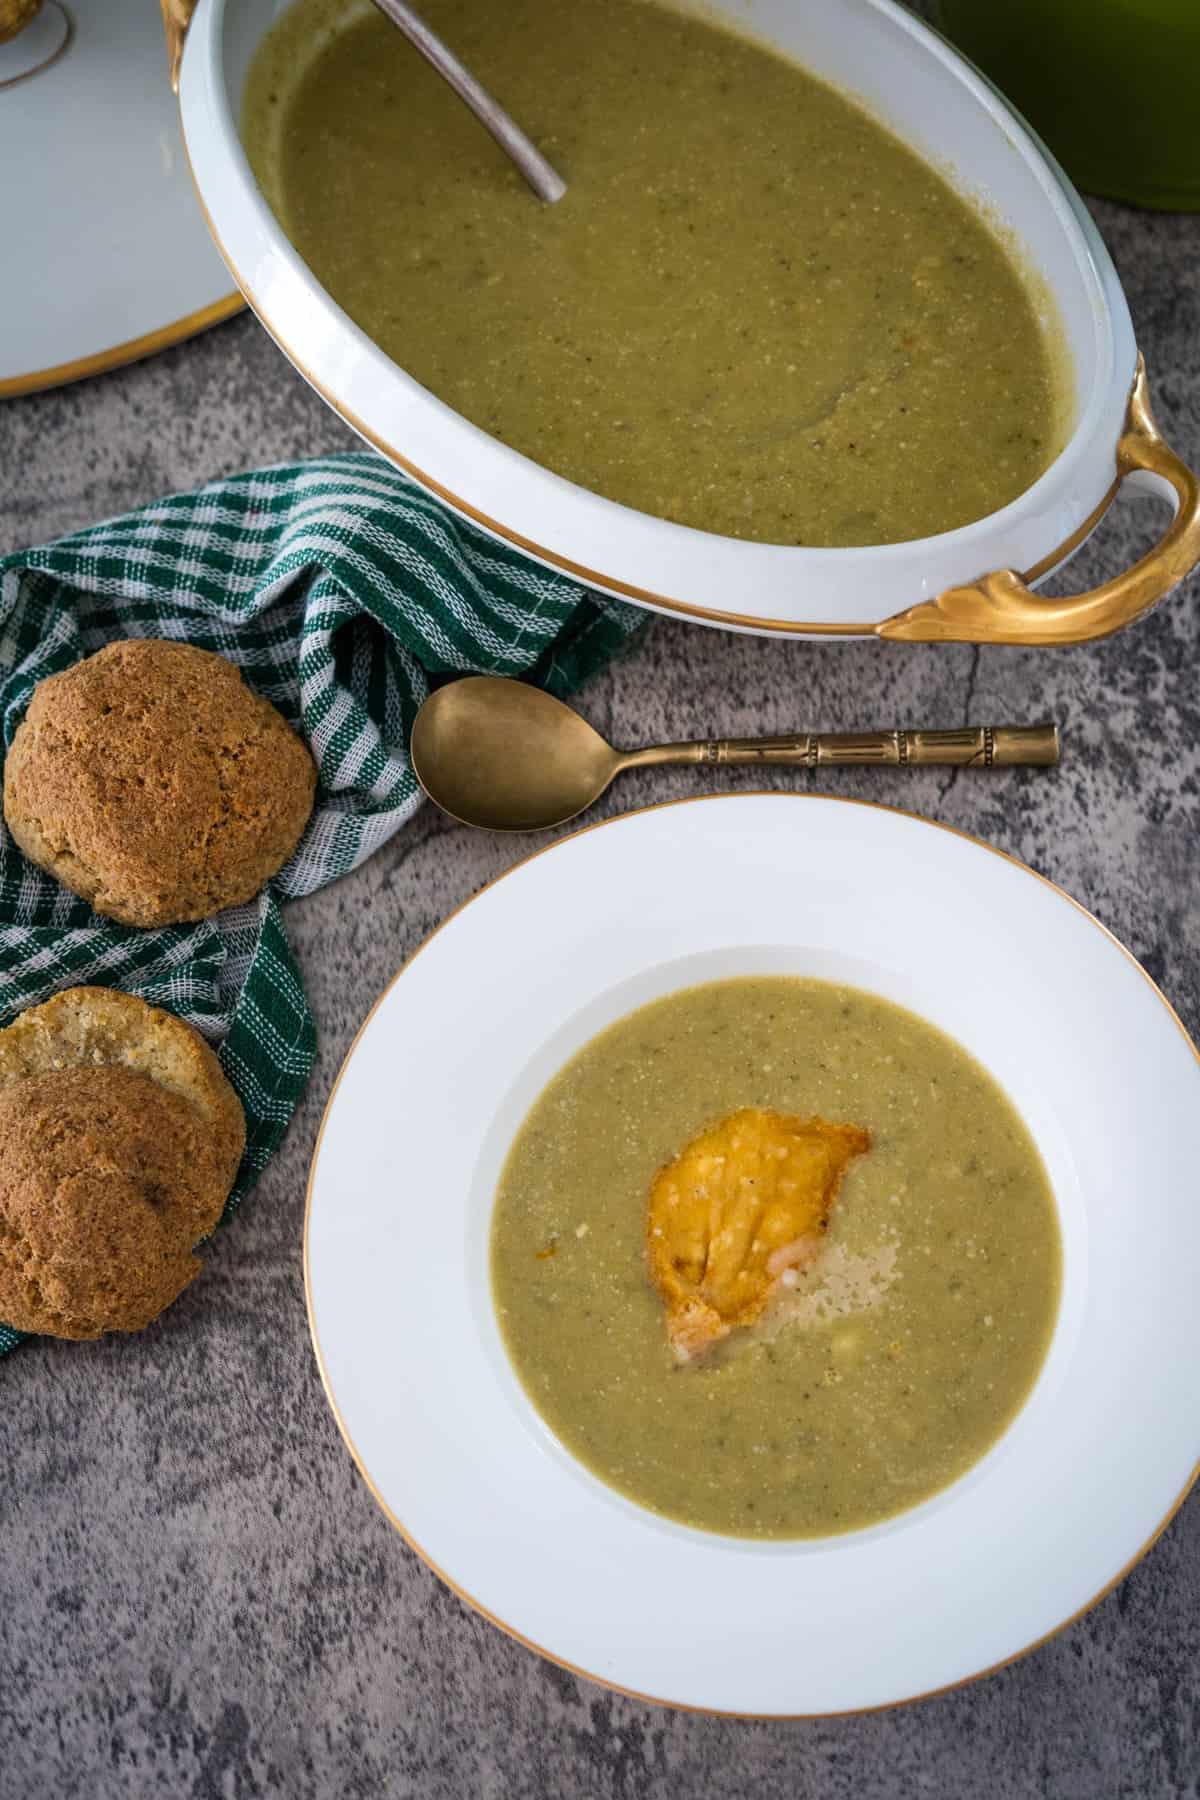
point(198, 1595)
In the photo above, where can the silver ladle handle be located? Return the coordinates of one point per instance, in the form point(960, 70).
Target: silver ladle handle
point(546, 183)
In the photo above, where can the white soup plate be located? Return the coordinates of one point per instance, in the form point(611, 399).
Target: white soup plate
point(396, 1251)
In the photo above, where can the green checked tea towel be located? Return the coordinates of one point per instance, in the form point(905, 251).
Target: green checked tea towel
point(342, 591)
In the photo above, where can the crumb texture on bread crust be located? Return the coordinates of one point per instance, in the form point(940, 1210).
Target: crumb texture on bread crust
point(95, 1027)
point(151, 780)
point(107, 1183)
point(120, 1138)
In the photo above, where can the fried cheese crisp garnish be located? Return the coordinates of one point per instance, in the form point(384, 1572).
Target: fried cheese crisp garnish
point(741, 1203)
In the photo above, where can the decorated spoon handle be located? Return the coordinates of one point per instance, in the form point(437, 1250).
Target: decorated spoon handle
point(980, 746)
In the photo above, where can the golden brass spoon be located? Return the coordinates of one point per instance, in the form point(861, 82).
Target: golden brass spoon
point(508, 757)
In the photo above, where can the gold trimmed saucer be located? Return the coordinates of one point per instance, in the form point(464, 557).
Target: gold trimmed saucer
point(114, 258)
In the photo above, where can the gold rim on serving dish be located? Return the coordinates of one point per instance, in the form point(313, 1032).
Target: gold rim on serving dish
point(461, 1593)
point(133, 350)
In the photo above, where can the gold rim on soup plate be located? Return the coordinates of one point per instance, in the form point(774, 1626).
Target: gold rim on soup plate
point(398, 1524)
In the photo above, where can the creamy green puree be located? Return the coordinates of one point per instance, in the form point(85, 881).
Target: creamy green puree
point(887, 1370)
point(755, 311)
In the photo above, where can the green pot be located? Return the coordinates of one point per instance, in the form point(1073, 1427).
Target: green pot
point(1113, 86)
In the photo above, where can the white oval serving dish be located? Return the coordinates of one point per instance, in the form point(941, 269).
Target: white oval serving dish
point(926, 589)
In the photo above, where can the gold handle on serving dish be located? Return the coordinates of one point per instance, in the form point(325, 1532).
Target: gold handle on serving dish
point(1000, 608)
point(177, 16)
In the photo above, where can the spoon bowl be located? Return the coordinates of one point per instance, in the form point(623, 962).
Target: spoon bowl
point(508, 757)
